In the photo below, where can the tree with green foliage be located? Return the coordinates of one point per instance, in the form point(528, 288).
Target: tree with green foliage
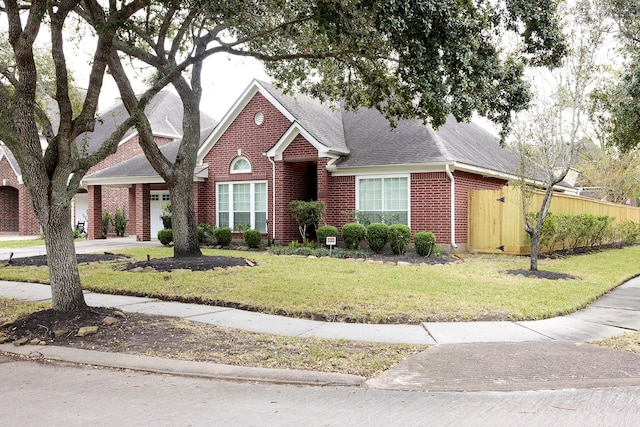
point(307, 215)
point(548, 137)
point(52, 175)
point(425, 59)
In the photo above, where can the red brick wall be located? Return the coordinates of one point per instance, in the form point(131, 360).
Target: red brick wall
point(431, 202)
point(9, 212)
point(342, 199)
point(19, 206)
point(254, 141)
point(9, 198)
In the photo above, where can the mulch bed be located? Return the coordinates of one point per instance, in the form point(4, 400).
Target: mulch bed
point(202, 263)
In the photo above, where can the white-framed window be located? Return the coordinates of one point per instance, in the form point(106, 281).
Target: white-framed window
point(240, 165)
point(384, 199)
point(242, 203)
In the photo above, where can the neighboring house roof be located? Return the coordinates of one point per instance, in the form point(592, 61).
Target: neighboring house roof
point(138, 169)
point(164, 112)
point(5, 152)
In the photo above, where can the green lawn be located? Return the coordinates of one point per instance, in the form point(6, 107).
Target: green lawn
point(22, 243)
point(476, 288)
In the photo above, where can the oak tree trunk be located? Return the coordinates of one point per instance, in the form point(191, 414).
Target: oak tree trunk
point(66, 289)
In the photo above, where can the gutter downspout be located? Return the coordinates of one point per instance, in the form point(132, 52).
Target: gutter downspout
point(273, 184)
point(453, 206)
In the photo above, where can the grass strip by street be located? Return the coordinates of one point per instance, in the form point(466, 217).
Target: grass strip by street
point(181, 339)
point(476, 288)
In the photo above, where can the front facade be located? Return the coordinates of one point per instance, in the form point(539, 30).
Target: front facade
point(271, 149)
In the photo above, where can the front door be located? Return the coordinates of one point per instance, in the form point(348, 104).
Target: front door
point(158, 200)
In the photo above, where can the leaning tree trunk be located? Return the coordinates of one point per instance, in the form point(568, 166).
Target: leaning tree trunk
point(66, 290)
point(183, 217)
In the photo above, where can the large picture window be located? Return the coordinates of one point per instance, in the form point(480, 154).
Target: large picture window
point(242, 204)
point(384, 199)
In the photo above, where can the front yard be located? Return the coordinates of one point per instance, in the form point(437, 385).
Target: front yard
point(476, 287)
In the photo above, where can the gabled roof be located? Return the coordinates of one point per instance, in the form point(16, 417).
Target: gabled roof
point(365, 139)
point(320, 123)
point(5, 152)
point(164, 112)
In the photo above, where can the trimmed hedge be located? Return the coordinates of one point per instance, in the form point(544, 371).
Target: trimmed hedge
point(326, 231)
point(252, 238)
point(377, 236)
point(399, 236)
point(165, 236)
point(425, 243)
point(571, 231)
point(222, 235)
point(352, 234)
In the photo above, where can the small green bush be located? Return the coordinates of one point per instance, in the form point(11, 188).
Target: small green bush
point(205, 233)
point(120, 221)
point(377, 236)
point(106, 221)
point(399, 236)
point(628, 232)
point(352, 234)
point(425, 242)
point(252, 238)
point(222, 235)
point(326, 231)
point(165, 236)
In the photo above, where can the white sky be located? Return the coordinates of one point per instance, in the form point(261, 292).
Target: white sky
point(224, 78)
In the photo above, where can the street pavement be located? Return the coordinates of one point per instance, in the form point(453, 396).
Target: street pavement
point(463, 356)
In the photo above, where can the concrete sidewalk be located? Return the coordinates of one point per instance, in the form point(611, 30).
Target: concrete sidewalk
point(614, 314)
point(465, 356)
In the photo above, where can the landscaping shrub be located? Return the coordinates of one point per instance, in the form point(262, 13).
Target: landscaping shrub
point(377, 235)
point(571, 231)
point(165, 236)
point(106, 221)
point(425, 243)
point(307, 215)
point(252, 238)
point(627, 232)
point(399, 236)
point(222, 235)
point(352, 234)
point(120, 221)
point(326, 231)
point(205, 233)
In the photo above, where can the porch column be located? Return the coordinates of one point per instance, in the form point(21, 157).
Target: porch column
point(94, 211)
point(131, 225)
point(143, 212)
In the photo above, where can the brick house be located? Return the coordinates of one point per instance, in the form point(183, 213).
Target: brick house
point(271, 148)
point(165, 116)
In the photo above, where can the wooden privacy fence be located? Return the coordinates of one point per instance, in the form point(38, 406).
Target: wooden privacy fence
point(496, 223)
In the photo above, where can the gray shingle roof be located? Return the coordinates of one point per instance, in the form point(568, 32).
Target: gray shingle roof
point(165, 116)
point(322, 120)
point(370, 141)
point(137, 166)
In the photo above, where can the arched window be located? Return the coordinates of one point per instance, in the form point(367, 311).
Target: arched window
point(240, 165)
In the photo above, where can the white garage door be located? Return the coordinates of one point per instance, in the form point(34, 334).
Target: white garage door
point(158, 200)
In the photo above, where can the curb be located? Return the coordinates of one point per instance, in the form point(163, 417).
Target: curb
point(182, 367)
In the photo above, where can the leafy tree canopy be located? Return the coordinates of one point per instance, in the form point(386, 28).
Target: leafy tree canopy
point(407, 58)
